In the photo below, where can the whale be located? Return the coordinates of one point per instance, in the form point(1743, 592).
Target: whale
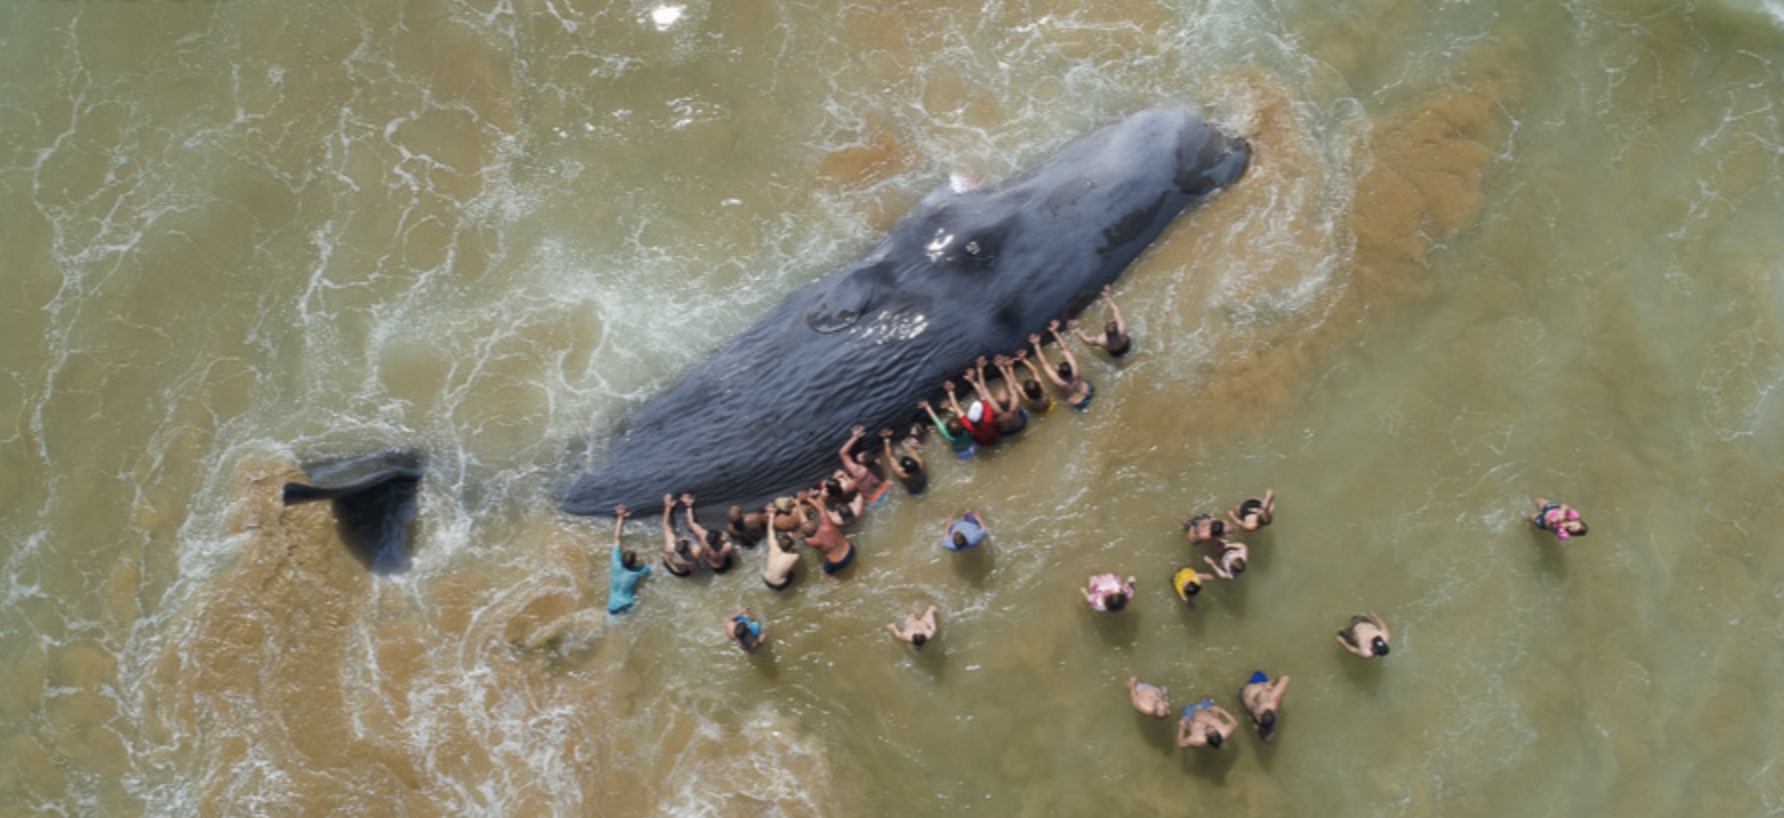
point(966, 273)
point(373, 497)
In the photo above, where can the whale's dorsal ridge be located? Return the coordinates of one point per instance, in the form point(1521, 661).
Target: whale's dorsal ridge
point(849, 297)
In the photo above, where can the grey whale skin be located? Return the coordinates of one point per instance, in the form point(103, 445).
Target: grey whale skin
point(963, 274)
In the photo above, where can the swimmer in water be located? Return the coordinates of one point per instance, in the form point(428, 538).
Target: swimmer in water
point(1107, 593)
point(1152, 700)
point(1204, 529)
point(1559, 519)
point(918, 630)
point(1262, 698)
point(1254, 513)
point(720, 553)
point(680, 557)
point(860, 468)
point(1205, 724)
point(623, 576)
point(777, 573)
point(823, 531)
point(781, 511)
point(1114, 338)
point(1233, 558)
point(965, 534)
point(745, 631)
point(1367, 636)
point(1188, 584)
point(908, 467)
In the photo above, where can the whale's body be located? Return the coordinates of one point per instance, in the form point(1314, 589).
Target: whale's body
point(964, 274)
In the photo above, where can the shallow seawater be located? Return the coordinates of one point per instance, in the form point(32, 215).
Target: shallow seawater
point(1485, 252)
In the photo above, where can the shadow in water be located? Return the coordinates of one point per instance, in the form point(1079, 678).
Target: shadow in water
point(1160, 733)
point(1364, 673)
point(374, 500)
point(1120, 628)
point(1211, 763)
point(764, 661)
point(932, 659)
point(1551, 557)
point(974, 564)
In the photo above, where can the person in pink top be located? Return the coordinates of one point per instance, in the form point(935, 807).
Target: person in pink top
point(1107, 592)
point(1559, 519)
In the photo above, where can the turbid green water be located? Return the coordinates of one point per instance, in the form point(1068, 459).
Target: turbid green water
point(1485, 251)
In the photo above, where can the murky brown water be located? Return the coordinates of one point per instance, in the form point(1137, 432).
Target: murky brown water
point(1485, 252)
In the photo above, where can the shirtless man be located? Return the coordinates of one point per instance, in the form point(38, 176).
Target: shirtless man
point(781, 510)
point(747, 529)
point(1203, 528)
point(823, 531)
point(1233, 558)
point(1152, 700)
point(777, 574)
point(870, 484)
point(1114, 339)
point(1367, 636)
point(917, 629)
point(1077, 391)
point(719, 550)
point(1205, 724)
point(1263, 699)
point(1254, 513)
point(908, 467)
point(680, 557)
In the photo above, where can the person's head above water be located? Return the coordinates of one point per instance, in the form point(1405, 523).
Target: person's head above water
point(959, 540)
point(1032, 388)
point(1115, 601)
point(1378, 646)
point(629, 558)
point(1215, 738)
point(1065, 371)
point(918, 639)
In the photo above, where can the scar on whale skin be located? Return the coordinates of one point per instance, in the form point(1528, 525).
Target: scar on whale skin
point(965, 273)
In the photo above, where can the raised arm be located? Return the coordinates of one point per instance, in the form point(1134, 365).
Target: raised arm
point(1073, 326)
point(619, 522)
point(687, 501)
point(668, 527)
point(979, 382)
point(1120, 325)
point(1045, 368)
point(1064, 351)
point(948, 387)
point(888, 458)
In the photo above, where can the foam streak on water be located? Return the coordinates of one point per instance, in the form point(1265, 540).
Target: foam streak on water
point(1485, 251)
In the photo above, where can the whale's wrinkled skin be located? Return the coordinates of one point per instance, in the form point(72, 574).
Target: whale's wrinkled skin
point(964, 274)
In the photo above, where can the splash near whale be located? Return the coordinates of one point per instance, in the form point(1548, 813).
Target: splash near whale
point(964, 274)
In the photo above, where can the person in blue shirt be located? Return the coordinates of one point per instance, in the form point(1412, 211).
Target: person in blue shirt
point(966, 533)
point(622, 578)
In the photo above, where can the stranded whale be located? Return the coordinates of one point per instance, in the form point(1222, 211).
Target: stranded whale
point(964, 274)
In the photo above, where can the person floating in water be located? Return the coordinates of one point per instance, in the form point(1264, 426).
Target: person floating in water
point(1254, 513)
point(918, 630)
point(1152, 700)
point(1262, 698)
point(908, 467)
point(1233, 558)
point(1203, 529)
point(719, 551)
point(1367, 636)
point(1188, 584)
point(1114, 338)
point(623, 576)
point(966, 533)
point(1034, 395)
point(1066, 376)
point(1107, 592)
point(680, 557)
point(1559, 519)
point(953, 432)
point(745, 631)
point(1205, 724)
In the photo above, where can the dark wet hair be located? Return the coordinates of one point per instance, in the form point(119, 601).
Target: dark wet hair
point(629, 559)
point(1032, 388)
point(917, 639)
point(1379, 646)
point(1215, 738)
point(1238, 566)
point(909, 465)
point(954, 428)
point(959, 540)
point(735, 514)
point(747, 638)
point(1267, 722)
point(684, 548)
point(714, 537)
point(1217, 528)
point(1065, 370)
point(1115, 601)
point(1583, 529)
point(833, 489)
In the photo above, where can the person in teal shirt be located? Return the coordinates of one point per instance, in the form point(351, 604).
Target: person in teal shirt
point(622, 579)
point(951, 431)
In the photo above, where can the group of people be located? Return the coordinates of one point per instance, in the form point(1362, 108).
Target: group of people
point(820, 516)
